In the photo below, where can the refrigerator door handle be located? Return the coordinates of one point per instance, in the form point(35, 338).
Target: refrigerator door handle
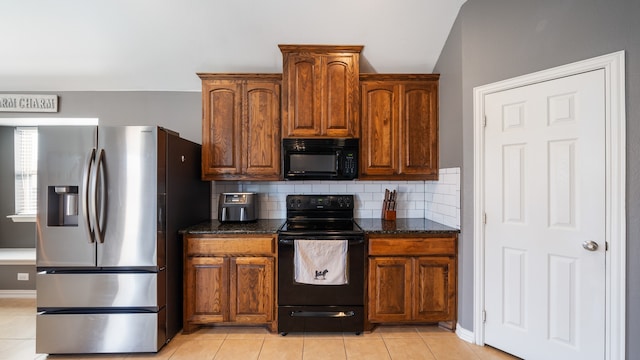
point(86, 178)
point(99, 214)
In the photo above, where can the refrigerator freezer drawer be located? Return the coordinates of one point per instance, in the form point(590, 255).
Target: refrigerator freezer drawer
point(105, 290)
point(99, 333)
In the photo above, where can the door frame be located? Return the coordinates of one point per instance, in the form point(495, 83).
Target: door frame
point(615, 171)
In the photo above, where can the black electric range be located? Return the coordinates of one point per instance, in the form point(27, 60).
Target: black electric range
point(304, 307)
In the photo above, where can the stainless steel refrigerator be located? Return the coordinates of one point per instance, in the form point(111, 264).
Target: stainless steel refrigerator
point(111, 201)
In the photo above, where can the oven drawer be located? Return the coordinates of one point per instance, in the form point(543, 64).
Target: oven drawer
point(320, 319)
point(412, 246)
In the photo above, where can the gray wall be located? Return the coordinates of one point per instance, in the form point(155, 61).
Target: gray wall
point(450, 120)
point(501, 39)
point(12, 235)
point(175, 110)
point(9, 276)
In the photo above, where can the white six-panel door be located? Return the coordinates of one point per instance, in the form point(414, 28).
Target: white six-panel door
point(545, 213)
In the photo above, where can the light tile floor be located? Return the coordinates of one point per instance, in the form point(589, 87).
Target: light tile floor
point(17, 342)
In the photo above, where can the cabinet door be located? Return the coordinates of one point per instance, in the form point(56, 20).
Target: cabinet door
point(261, 130)
point(419, 130)
point(252, 289)
point(206, 290)
point(434, 298)
point(340, 96)
point(221, 128)
point(302, 95)
point(389, 289)
point(378, 143)
point(320, 90)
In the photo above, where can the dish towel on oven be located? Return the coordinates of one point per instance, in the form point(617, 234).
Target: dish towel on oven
point(320, 262)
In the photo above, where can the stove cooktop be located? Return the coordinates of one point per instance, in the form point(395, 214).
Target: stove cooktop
point(321, 226)
point(320, 215)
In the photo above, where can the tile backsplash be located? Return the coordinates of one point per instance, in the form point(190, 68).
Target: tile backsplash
point(434, 200)
point(442, 198)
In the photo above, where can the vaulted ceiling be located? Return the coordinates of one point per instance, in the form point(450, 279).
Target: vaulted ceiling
point(159, 45)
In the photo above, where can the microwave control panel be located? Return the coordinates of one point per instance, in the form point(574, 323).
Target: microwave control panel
point(350, 163)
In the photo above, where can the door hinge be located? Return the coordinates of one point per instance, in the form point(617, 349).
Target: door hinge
point(484, 316)
point(606, 246)
point(484, 121)
point(484, 218)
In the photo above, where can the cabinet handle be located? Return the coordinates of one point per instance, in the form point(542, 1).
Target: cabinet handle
point(291, 242)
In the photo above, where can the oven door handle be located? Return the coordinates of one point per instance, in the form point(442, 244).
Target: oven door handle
point(330, 314)
point(291, 241)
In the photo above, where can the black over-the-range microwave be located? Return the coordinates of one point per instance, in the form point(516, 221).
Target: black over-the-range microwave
point(320, 158)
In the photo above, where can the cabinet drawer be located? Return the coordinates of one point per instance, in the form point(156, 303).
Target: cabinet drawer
point(413, 246)
point(230, 245)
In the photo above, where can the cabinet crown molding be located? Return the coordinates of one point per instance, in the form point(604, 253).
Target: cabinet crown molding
point(399, 77)
point(239, 76)
point(320, 48)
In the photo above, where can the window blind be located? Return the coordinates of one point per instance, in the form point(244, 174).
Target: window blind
point(26, 169)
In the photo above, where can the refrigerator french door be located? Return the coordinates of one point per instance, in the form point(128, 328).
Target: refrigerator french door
point(108, 256)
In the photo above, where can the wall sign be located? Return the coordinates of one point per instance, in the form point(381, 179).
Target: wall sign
point(28, 103)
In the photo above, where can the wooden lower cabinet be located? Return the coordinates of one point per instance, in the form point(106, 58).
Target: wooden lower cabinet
point(434, 282)
point(412, 280)
point(207, 299)
point(390, 289)
point(229, 280)
point(252, 289)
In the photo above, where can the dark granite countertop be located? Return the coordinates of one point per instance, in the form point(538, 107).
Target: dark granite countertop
point(265, 226)
point(403, 226)
point(371, 226)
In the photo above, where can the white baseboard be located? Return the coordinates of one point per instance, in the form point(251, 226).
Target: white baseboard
point(18, 294)
point(465, 334)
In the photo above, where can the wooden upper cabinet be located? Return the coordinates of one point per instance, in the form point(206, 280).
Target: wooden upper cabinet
point(380, 123)
point(261, 130)
point(419, 129)
point(320, 90)
point(399, 138)
point(241, 126)
point(221, 127)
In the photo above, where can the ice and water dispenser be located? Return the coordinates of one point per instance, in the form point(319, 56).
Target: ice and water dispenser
point(62, 206)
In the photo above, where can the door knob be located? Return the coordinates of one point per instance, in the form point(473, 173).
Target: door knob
point(590, 245)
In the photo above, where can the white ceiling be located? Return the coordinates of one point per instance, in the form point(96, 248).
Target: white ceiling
point(69, 45)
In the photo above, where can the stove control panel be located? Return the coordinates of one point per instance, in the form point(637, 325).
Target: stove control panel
point(319, 202)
